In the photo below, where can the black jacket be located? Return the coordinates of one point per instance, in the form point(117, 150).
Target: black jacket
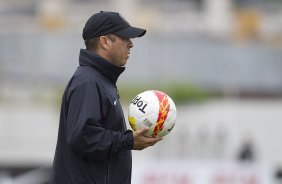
point(93, 145)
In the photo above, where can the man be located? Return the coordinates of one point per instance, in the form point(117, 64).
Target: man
point(93, 144)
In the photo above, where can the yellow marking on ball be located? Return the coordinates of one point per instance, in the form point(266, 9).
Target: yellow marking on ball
point(132, 122)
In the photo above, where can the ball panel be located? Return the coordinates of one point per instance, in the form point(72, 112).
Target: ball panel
point(163, 111)
point(132, 122)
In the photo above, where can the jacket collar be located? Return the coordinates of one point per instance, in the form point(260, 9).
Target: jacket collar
point(90, 58)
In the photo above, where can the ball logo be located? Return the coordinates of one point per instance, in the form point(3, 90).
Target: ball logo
point(140, 103)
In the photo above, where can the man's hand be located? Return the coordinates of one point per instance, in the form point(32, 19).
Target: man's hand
point(141, 142)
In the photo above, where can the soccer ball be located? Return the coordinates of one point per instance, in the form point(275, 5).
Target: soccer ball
point(153, 109)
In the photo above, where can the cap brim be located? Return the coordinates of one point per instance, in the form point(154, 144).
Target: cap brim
point(131, 32)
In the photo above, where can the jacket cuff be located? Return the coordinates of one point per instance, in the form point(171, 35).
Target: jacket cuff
point(129, 141)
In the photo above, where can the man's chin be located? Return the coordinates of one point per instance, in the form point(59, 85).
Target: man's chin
point(124, 63)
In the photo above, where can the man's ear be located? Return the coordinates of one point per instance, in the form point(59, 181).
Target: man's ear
point(105, 43)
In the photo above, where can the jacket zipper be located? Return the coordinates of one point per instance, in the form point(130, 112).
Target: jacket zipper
point(108, 171)
point(108, 175)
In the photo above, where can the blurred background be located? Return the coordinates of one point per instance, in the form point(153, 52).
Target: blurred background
point(219, 60)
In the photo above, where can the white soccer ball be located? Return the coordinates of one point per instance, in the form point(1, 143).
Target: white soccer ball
point(153, 109)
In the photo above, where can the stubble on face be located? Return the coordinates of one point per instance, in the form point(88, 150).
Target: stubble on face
point(120, 50)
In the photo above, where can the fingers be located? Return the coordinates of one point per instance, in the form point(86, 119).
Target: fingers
point(141, 142)
point(142, 131)
point(152, 141)
point(155, 140)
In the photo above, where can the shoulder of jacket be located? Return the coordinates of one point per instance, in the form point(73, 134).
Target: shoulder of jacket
point(84, 76)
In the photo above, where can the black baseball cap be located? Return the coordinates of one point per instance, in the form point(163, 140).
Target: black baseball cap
point(104, 23)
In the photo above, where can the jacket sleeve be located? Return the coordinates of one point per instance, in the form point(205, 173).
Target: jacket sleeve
point(85, 133)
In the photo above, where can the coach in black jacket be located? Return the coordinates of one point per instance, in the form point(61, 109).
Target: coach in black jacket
point(94, 145)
